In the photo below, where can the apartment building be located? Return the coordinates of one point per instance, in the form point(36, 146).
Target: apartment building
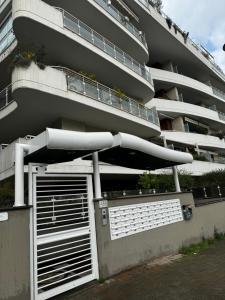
point(89, 87)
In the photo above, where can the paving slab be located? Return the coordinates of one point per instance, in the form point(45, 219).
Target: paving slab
point(196, 277)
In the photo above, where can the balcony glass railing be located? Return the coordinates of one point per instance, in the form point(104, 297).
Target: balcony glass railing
point(218, 93)
point(6, 97)
point(6, 35)
point(1, 2)
point(114, 12)
point(75, 25)
point(97, 91)
point(221, 116)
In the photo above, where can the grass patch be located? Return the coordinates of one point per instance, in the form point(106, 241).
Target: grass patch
point(196, 248)
point(101, 280)
point(219, 236)
point(203, 245)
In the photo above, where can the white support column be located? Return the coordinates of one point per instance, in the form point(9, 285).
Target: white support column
point(20, 150)
point(176, 179)
point(97, 180)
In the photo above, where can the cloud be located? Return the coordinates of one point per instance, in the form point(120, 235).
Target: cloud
point(204, 19)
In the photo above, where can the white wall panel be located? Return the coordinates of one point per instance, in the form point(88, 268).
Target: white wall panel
point(131, 219)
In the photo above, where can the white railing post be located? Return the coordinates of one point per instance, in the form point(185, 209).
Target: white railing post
point(176, 179)
point(6, 96)
point(20, 150)
point(97, 180)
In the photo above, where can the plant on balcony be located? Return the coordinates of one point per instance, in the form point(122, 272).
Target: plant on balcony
point(27, 54)
point(169, 22)
point(219, 134)
point(157, 4)
point(185, 36)
point(120, 93)
point(91, 76)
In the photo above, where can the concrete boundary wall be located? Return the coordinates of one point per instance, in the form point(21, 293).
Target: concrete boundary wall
point(15, 256)
point(114, 255)
point(123, 253)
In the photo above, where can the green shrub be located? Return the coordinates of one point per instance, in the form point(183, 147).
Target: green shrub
point(213, 178)
point(164, 182)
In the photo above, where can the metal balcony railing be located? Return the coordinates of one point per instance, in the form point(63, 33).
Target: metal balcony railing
point(1, 2)
point(97, 91)
point(221, 116)
point(7, 40)
point(114, 12)
point(218, 93)
point(6, 97)
point(78, 27)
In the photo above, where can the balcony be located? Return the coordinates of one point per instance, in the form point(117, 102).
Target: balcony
point(6, 97)
point(7, 103)
point(179, 80)
point(83, 30)
point(44, 97)
point(196, 49)
point(114, 12)
point(90, 88)
point(218, 93)
point(119, 25)
point(202, 140)
point(213, 118)
point(70, 42)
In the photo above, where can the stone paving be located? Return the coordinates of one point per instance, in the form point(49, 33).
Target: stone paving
point(197, 277)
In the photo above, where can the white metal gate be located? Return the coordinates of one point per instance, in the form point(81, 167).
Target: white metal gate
point(64, 243)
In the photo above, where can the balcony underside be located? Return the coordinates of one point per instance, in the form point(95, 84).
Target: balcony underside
point(69, 49)
point(170, 45)
point(206, 142)
point(37, 110)
point(175, 109)
point(105, 24)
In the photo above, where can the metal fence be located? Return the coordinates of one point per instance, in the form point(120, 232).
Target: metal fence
point(124, 193)
point(6, 96)
point(207, 195)
point(7, 35)
point(75, 25)
point(114, 12)
point(97, 91)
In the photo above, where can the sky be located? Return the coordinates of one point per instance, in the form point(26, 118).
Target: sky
point(204, 20)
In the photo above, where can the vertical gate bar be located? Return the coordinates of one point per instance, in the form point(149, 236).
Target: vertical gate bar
point(93, 227)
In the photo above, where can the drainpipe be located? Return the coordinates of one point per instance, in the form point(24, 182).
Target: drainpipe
point(97, 180)
point(20, 150)
point(176, 179)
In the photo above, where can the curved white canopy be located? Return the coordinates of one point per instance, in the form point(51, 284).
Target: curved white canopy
point(57, 145)
point(129, 141)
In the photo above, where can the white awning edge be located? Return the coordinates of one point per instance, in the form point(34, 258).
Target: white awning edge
point(129, 141)
point(77, 140)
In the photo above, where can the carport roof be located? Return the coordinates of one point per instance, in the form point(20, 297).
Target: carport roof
point(56, 146)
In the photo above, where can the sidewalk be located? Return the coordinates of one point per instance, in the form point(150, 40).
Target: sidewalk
point(196, 277)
